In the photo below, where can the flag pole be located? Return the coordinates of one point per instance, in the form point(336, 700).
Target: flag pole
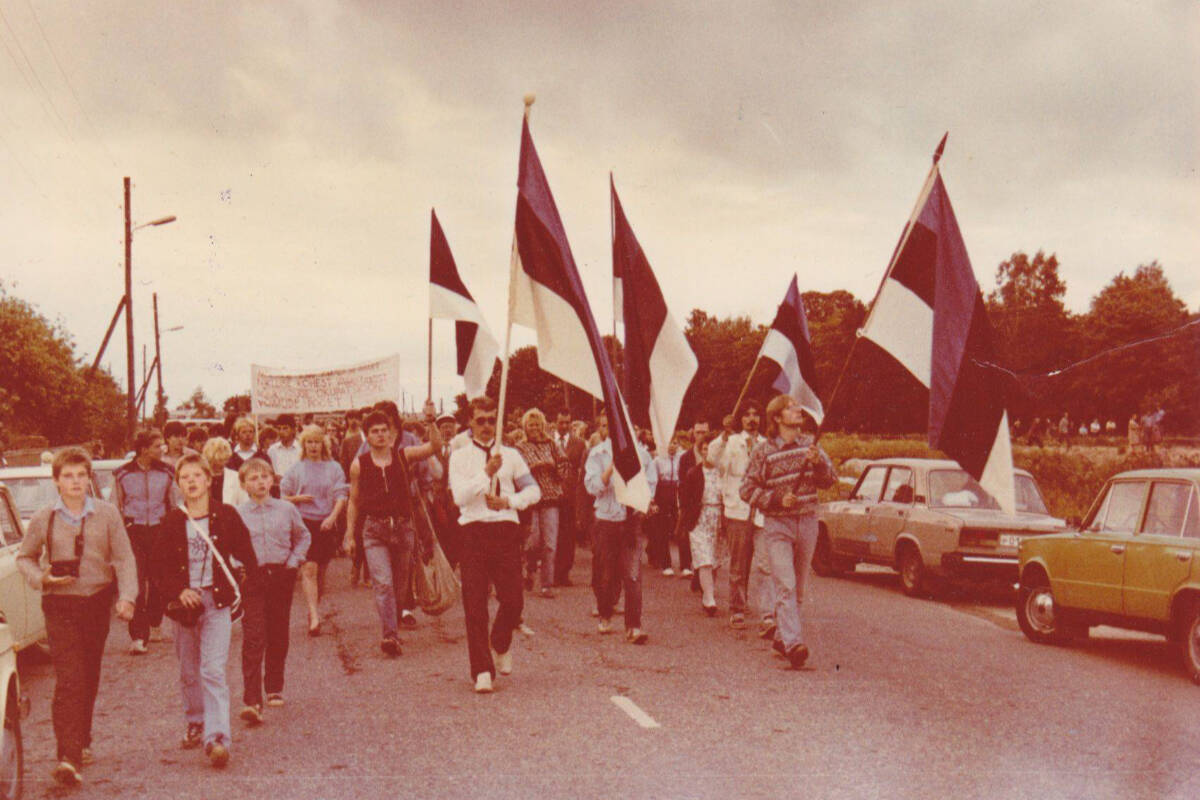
point(512, 274)
point(746, 387)
point(937, 156)
point(429, 363)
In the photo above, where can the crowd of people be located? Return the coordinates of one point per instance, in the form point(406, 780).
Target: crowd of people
point(207, 528)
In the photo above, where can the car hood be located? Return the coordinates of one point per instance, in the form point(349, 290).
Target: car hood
point(992, 518)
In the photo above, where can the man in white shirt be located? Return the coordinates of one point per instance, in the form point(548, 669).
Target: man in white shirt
point(490, 483)
point(285, 453)
point(731, 453)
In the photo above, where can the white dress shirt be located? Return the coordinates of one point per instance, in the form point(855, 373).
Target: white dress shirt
point(469, 483)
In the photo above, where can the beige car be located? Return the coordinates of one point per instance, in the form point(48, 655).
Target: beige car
point(929, 518)
point(21, 605)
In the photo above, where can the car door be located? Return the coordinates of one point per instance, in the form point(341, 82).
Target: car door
point(1090, 573)
point(1159, 557)
point(889, 517)
point(13, 589)
point(851, 534)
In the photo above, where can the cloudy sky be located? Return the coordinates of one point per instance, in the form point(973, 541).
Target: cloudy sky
point(302, 145)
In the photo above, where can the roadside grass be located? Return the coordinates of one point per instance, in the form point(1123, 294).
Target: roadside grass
point(1070, 478)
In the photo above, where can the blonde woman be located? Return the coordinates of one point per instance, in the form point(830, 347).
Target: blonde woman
point(317, 485)
point(226, 488)
point(548, 465)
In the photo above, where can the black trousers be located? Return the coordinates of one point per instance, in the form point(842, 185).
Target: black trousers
point(564, 553)
point(77, 628)
point(491, 556)
point(267, 616)
point(148, 611)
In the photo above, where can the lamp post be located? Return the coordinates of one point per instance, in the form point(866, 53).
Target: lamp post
point(130, 409)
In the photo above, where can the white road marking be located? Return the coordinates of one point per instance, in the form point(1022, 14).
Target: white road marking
point(631, 708)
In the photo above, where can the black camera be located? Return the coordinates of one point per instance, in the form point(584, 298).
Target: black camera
point(65, 569)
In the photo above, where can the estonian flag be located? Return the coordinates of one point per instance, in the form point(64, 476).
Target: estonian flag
point(547, 295)
point(449, 299)
point(787, 345)
point(659, 362)
point(929, 317)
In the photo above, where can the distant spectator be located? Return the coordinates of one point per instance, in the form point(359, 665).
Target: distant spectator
point(1134, 433)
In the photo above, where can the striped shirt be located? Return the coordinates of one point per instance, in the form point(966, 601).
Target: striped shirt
point(777, 467)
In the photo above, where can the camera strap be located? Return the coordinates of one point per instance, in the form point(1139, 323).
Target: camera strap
point(50, 536)
point(216, 556)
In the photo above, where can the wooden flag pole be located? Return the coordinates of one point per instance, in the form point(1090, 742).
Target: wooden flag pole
point(429, 363)
point(512, 274)
point(746, 387)
point(937, 156)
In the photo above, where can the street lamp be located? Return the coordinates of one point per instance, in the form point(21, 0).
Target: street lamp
point(130, 407)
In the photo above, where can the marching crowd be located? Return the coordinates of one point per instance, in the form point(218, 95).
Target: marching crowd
point(209, 528)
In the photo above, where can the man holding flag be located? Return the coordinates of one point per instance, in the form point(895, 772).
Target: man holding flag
point(618, 541)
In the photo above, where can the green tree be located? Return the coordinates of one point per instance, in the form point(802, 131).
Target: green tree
point(1033, 330)
point(725, 349)
point(199, 404)
point(45, 390)
point(237, 404)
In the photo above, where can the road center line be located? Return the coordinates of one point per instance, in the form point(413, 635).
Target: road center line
point(631, 708)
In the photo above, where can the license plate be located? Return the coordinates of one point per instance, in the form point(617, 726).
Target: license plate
point(1010, 540)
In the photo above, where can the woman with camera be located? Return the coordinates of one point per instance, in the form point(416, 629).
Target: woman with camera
point(88, 550)
point(193, 574)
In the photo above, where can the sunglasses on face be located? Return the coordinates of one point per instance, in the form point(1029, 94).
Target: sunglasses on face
point(490, 419)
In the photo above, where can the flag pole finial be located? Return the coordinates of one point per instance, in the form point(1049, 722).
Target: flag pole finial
point(529, 98)
point(937, 154)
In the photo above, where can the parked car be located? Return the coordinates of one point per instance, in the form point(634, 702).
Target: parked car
point(13, 708)
point(33, 488)
point(20, 604)
point(1132, 565)
point(102, 476)
point(929, 518)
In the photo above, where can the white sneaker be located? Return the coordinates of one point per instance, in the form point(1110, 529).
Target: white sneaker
point(483, 683)
point(668, 573)
point(138, 647)
point(525, 630)
point(503, 662)
point(686, 573)
point(605, 626)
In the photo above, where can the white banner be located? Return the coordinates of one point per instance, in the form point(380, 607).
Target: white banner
point(278, 391)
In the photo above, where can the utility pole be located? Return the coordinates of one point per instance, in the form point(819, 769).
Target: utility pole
point(143, 391)
point(130, 414)
point(159, 401)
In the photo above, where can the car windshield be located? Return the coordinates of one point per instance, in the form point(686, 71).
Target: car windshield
point(954, 488)
point(30, 494)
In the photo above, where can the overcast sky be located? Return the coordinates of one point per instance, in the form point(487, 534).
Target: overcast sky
point(302, 145)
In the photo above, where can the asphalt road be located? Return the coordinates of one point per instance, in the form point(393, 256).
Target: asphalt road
point(901, 698)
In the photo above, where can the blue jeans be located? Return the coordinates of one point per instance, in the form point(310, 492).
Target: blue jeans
point(542, 542)
point(203, 652)
point(790, 542)
point(389, 550)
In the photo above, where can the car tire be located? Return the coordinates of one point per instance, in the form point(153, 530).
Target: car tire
point(914, 580)
point(1039, 616)
point(823, 562)
point(12, 753)
point(1189, 640)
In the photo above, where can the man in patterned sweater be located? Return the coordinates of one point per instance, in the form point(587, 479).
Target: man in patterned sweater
point(781, 481)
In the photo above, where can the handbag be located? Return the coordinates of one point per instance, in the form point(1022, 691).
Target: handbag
point(235, 608)
point(435, 586)
point(187, 616)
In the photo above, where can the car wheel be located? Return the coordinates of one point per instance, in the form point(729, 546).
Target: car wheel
point(823, 562)
point(1040, 617)
point(913, 579)
point(12, 753)
point(1189, 641)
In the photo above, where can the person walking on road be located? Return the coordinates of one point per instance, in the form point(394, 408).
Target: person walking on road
point(680, 544)
point(700, 516)
point(143, 490)
point(192, 568)
point(618, 541)
point(380, 496)
point(747, 553)
point(286, 452)
point(280, 539)
point(87, 550)
point(490, 483)
point(317, 485)
point(782, 480)
point(548, 465)
point(575, 450)
point(175, 434)
point(244, 446)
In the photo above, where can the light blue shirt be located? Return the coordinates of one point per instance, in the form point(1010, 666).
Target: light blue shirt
point(88, 508)
point(324, 480)
point(598, 459)
point(277, 532)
